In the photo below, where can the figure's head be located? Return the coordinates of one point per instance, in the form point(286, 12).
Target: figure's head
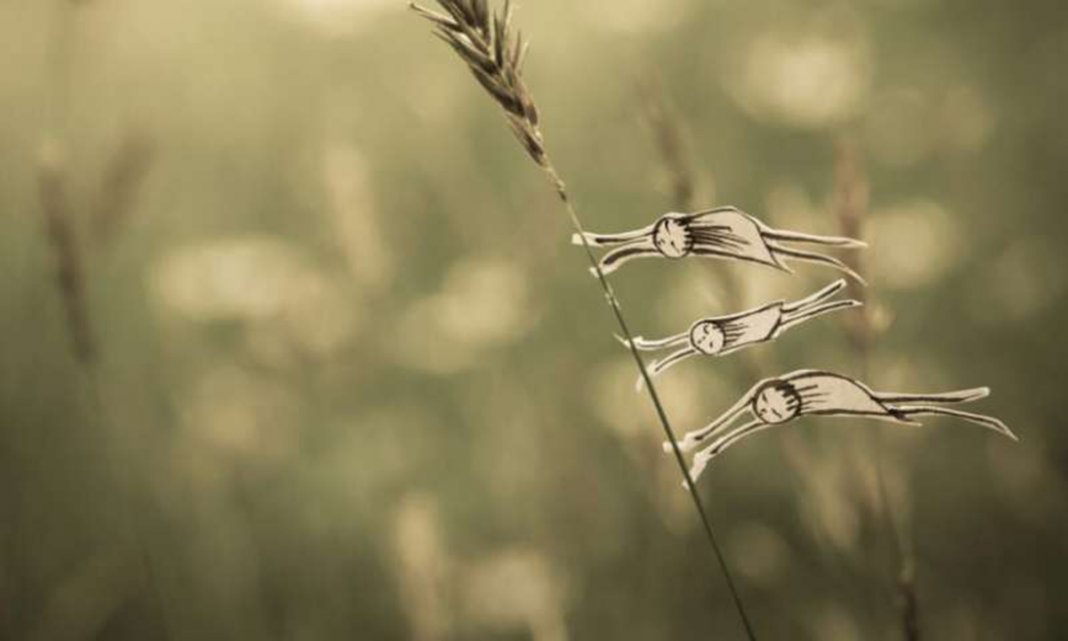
point(707, 337)
point(777, 401)
point(671, 237)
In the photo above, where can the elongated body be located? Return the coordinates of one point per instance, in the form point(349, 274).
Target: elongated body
point(725, 233)
point(722, 335)
point(776, 401)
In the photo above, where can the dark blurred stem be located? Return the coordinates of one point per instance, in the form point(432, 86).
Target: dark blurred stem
point(71, 281)
point(908, 604)
point(852, 193)
point(72, 284)
point(69, 263)
point(617, 312)
point(671, 141)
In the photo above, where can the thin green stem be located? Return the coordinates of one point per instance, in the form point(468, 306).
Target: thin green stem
point(485, 43)
point(617, 312)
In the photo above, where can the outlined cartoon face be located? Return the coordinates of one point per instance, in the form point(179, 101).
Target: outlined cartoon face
point(707, 337)
point(672, 238)
point(776, 402)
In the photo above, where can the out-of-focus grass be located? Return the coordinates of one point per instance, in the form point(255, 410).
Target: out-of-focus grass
point(367, 393)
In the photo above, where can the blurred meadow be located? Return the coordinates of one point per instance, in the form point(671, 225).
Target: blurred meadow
point(340, 374)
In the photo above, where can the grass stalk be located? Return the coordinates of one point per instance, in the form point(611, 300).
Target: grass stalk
point(494, 55)
point(851, 196)
point(670, 138)
point(654, 396)
point(69, 263)
point(72, 285)
point(72, 280)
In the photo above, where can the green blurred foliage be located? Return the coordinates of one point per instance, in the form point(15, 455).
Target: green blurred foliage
point(354, 383)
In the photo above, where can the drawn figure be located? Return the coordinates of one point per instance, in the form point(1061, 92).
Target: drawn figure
point(776, 401)
point(724, 232)
point(725, 334)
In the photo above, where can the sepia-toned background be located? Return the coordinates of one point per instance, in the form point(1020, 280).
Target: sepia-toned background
point(294, 345)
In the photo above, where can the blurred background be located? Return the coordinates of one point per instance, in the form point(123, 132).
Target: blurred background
point(295, 346)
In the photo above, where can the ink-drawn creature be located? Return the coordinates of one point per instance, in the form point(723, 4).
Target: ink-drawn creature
point(725, 232)
point(776, 401)
point(719, 336)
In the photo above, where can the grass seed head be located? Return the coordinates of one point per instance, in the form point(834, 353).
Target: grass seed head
point(494, 53)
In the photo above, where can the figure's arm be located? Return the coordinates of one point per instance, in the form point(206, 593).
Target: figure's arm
point(600, 240)
point(659, 366)
point(691, 439)
point(702, 458)
point(620, 256)
point(649, 345)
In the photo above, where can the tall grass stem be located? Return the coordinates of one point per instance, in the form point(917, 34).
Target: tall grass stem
point(852, 195)
point(494, 54)
point(654, 396)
